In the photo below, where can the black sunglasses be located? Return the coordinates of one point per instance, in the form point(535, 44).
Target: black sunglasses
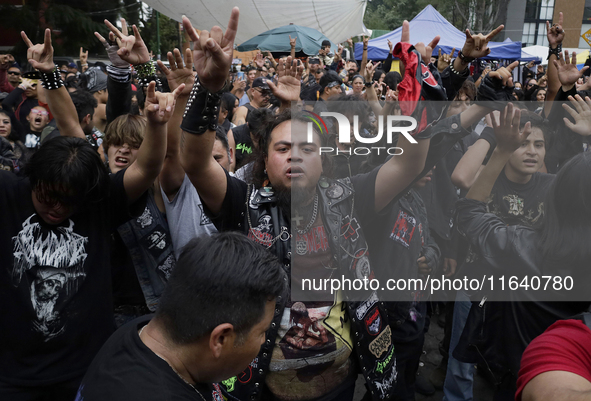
point(14, 73)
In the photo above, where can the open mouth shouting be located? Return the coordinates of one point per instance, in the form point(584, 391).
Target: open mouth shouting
point(295, 172)
point(530, 162)
point(121, 161)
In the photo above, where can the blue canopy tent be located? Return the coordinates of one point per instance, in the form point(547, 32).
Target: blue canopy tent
point(308, 42)
point(423, 28)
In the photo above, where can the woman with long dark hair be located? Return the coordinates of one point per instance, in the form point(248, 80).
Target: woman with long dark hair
point(13, 131)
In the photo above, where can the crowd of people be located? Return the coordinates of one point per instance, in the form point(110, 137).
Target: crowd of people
point(149, 213)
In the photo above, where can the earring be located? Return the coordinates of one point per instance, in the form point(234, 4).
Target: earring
point(265, 171)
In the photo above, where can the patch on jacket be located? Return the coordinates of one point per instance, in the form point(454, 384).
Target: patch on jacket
point(404, 229)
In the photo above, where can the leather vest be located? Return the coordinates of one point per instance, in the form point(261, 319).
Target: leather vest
point(373, 345)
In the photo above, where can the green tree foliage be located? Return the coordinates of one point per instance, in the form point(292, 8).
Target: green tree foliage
point(389, 14)
point(169, 34)
point(73, 23)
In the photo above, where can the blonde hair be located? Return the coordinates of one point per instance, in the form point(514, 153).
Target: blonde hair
point(126, 128)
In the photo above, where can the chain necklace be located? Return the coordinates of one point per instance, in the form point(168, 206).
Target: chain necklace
point(173, 369)
point(312, 220)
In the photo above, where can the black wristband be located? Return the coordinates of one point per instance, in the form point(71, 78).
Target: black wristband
point(555, 52)
point(492, 91)
point(488, 134)
point(464, 58)
point(464, 73)
point(202, 111)
point(51, 80)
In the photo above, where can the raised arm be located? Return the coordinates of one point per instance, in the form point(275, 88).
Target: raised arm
point(142, 173)
point(364, 55)
point(40, 57)
point(555, 35)
point(400, 171)
point(292, 45)
point(370, 92)
point(212, 57)
point(172, 175)
point(289, 81)
point(509, 138)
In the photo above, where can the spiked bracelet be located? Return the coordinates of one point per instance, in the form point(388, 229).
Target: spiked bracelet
point(202, 111)
point(146, 73)
point(464, 73)
point(555, 51)
point(51, 80)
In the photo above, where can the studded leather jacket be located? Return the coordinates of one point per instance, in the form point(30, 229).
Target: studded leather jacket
point(373, 349)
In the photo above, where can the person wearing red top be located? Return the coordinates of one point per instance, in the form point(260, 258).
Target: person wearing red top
point(557, 364)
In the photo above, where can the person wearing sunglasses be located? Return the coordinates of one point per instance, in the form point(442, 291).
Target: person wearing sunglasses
point(260, 94)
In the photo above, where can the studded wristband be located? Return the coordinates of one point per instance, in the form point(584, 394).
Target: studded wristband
point(51, 80)
point(465, 73)
point(146, 73)
point(464, 58)
point(202, 111)
point(555, 52)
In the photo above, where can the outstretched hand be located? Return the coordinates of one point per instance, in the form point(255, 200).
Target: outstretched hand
point(40, 56)
point(555, 33)
point(581, 114)
point(425, 51)
point(568, 73)
point(444, 60)
point(179, 72)
point(131, 47)
point(505, 74)
point(213, 52)
point(288, 86)
point(160, 105)
point(476, 46)
point(370, 67)
point(507, 132)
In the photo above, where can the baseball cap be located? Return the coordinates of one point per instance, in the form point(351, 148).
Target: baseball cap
point(260, 82)
point(96, 80)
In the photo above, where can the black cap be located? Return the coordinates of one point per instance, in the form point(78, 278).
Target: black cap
point(329, 77)
point(260, 82)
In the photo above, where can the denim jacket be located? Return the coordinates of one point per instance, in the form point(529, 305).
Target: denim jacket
point(148, 241)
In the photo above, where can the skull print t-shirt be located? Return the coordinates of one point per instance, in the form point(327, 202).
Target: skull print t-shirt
point(55, 284)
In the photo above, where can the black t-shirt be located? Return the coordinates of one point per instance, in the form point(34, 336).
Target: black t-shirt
point(55, 284)
point(126, 369)
point(244, 145)
point(520, 203)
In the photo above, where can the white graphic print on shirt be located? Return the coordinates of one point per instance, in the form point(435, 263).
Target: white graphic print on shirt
point(51, 262)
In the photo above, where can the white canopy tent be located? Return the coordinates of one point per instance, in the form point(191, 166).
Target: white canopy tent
point(542, 52)
point(336, 19)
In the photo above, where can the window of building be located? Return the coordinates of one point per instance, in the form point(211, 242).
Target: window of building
point(587, 12)
point(537, 12)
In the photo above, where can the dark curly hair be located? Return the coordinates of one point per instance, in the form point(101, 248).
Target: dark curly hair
point(269, 124)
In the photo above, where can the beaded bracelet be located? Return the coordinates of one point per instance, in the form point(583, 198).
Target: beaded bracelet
point(51, 80)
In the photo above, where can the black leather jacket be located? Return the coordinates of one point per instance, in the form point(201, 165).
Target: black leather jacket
point(345, 249)
point(501, 331)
